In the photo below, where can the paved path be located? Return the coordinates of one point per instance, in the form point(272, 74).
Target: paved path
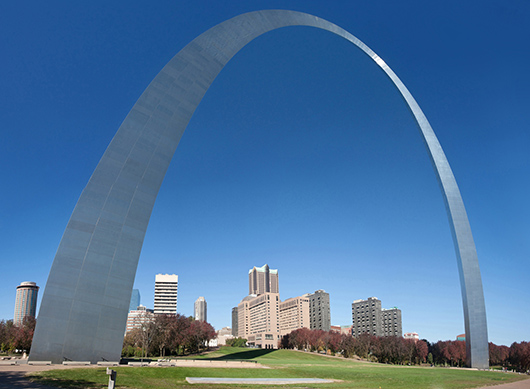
point(256, 381)
point(525, 384)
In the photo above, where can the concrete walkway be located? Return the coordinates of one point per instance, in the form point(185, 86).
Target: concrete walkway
point(256, 381)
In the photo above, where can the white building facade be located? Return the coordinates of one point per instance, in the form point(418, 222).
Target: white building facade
point(166, 292)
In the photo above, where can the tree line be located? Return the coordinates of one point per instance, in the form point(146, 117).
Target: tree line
point(517, 356)
point(164, 335)
point(397, 350)
point(13, 337)
point(391, 349)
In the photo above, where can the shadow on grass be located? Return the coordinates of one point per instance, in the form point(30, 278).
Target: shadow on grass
point(250, 354)
point(47, 382)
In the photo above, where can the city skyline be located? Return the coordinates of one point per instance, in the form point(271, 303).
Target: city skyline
point(288, 216)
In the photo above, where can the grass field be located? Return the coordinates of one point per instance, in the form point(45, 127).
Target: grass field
point(283, 364)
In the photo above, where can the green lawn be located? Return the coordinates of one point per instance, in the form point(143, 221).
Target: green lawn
point(284, 364)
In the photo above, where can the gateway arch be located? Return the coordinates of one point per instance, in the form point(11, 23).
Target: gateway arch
point(86, 299)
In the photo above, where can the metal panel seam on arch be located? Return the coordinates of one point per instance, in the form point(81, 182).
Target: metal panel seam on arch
point(85, 302)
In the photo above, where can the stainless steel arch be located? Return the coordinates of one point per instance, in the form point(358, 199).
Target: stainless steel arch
point(85, 303)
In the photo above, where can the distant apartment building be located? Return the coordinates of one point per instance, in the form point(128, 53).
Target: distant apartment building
point(234, 322)
point(223, 335)
point(346, 330)
point(166, 291)
point(319, 310)
point(138, 317)
point(368, 317)
point(135, 300)
point(25, 301)
point(263, 280)
point(258, 320)
point(391, 322)
point(293, 314)
point(199, 309)
point(411, 335)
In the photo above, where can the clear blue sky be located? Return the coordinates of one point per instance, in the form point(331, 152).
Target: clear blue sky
point(302, 155)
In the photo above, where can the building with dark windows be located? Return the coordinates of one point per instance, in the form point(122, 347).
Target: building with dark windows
point(319, 310)
point(25, 301)
point(391, 322)
point(368, 317)
point(263, 280)
point(234, 322)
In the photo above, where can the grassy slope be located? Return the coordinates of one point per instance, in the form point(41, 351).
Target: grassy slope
point(284, 364)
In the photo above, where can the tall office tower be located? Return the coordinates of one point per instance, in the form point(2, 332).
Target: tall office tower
point(166, 288)
point(258, 320)
point(369, 317)
point(25, 301)
point(235, 320)
point(366, 316)
point(263, 280)
point(391, 322)
point(199, 309)
point(135, 300)
point(319, 310)
point(293, 314)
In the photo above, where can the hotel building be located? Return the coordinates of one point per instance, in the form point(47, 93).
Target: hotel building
point(293, 314)
point(263, 280)
point(258, 320)
point(25, 301)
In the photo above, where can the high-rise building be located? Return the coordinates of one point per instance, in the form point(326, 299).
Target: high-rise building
point(235, 321)
point(369, 317)
point(199, 309)
point(25, 301)
point(319, 310)
point(243, 318)
point(391, 322)
point(135, 300)
point(366, 316)
point(166, 290)
point(258, 320)
point(293, 314)
point(263, 280)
